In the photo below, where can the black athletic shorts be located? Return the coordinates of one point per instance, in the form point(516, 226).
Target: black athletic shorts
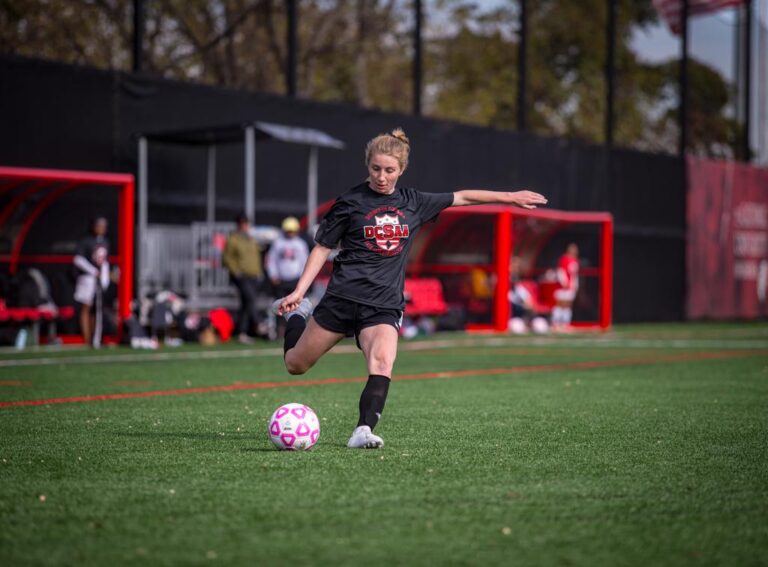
point(345, 316)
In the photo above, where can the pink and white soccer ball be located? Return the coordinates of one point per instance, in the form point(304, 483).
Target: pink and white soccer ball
point(540, 326)
point(294, 427)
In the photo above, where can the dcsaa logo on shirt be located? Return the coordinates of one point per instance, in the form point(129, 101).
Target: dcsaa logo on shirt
point(386, 236)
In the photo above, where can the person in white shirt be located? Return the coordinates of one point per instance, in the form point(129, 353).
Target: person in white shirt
point(91, 260)
point(286, 258)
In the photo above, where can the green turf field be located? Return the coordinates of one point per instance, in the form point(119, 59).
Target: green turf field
point(646, 446)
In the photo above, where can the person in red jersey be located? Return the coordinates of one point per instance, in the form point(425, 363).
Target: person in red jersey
point(568, 278)
point(374, 224)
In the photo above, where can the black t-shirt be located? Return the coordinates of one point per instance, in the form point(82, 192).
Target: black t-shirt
point(93, 248)
point(375, 232)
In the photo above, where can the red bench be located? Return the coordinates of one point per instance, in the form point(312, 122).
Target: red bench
point(424, 296)
point(34, 316)
point(31, 314)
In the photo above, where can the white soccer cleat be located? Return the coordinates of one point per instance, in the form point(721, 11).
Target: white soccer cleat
point(363, 438)
point(304, 309)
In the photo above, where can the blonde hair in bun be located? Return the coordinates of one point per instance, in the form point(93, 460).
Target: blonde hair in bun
point(395, 144)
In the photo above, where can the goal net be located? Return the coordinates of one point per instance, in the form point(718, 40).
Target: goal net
point(469, 250)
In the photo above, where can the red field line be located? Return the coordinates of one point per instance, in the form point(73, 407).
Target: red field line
point(534, 351)
point(584, 365)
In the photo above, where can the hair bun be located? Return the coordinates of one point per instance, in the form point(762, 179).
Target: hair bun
point(400, 135)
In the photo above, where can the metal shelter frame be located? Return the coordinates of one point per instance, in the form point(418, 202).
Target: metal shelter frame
point(247, 134)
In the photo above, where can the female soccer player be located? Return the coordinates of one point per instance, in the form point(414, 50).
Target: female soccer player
point(374, 223)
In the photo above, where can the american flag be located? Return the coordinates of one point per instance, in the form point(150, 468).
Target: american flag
point(671, 11)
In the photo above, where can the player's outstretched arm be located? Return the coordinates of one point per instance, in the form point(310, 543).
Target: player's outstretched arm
point(314, 264)
point(524, 199)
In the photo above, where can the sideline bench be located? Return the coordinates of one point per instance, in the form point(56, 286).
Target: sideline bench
point(34, 317)
point(424, 296)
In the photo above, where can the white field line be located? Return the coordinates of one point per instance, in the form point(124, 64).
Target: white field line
point(549, 342)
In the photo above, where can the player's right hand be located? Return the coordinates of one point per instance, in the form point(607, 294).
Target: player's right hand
point(290, 302)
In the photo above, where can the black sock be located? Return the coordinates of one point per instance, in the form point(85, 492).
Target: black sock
point(293, 329)
point(372, 400)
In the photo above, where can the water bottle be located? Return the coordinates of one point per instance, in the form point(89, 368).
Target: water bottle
point(21, 339)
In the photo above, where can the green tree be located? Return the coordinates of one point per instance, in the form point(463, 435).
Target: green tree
point(356, 51)
point(473, 75)
point(360, 52)
point(471, 64)
point(75, 31)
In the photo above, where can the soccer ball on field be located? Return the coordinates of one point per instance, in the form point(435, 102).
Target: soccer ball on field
point(517, 326)
point(540, 326)
point(294, 427)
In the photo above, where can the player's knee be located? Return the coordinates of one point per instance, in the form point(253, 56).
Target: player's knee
point(295, 366)
point(381, 364)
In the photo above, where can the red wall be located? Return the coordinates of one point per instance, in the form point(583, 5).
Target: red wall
point(727, 252)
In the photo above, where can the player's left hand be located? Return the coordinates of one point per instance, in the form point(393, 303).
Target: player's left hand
point(528, 199)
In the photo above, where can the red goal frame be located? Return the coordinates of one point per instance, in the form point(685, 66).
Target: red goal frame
point(502, 217)
point(57, 183)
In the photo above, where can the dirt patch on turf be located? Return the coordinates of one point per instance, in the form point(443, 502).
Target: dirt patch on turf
point(13, 383)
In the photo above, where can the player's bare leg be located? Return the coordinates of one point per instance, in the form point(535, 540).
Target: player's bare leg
point(305, 341)
point(86, 324)
point(379, 345)
point(561, 316)
point(313, 343)
point(563, 309)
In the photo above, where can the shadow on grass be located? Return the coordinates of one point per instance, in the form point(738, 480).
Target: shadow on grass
point(228, 436)
point(335, 446)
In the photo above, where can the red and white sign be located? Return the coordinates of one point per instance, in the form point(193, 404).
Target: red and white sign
point(727, 240)
point(671, 11)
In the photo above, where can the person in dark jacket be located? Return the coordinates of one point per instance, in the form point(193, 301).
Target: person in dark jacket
point(242, 257)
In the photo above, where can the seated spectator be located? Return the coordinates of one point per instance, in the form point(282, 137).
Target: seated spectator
point(520, 298)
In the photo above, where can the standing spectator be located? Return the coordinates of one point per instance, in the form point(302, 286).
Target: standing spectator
point(91, 260)
point(568, 278)
point(286, 258)
point(242, 257)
